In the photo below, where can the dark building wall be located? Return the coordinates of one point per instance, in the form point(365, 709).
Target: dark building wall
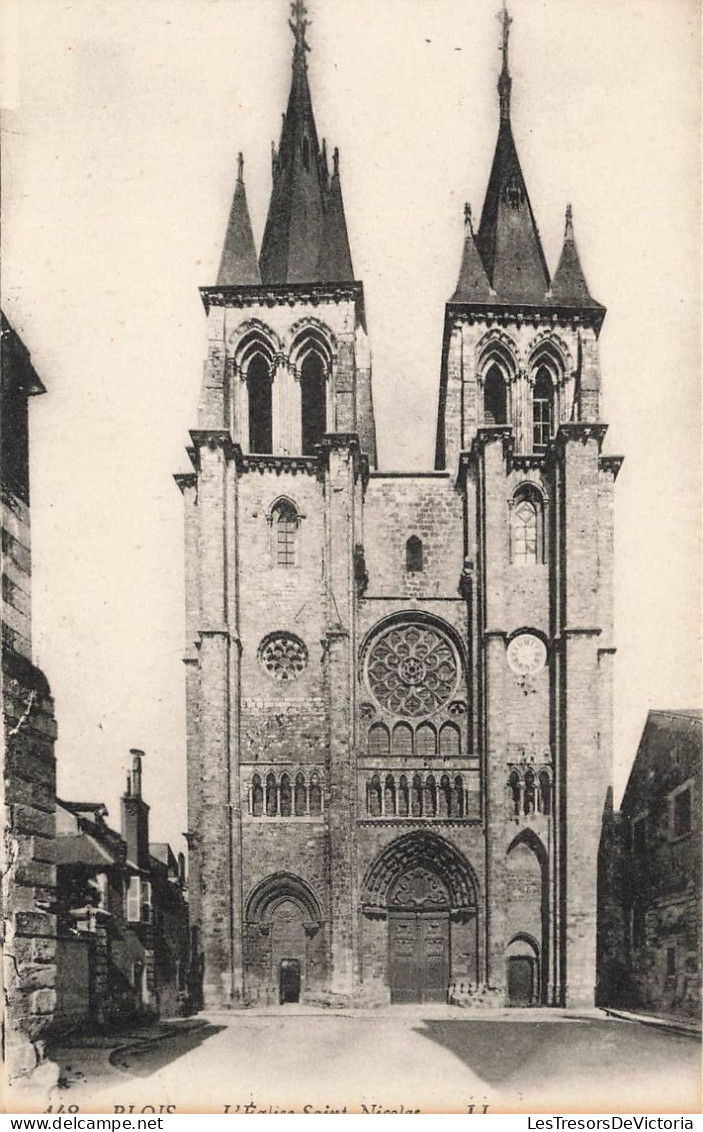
point(29, 879)
point(29, 731)
point(658, 878)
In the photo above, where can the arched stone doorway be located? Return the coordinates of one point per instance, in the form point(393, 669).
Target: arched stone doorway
point(419, 922)
point(527, 921)
point(285, 949)
point(523, 971)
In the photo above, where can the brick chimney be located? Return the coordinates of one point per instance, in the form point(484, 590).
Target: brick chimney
point(135, 815)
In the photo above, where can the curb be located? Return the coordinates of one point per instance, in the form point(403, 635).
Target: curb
point(669, 1025)
point(135, 1044)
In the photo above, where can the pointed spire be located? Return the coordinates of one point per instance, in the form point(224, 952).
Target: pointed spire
point(569, 286)
point(508, 240)
point(239, 265)
point(335, 264)
point(473, 285)
point(305, 238)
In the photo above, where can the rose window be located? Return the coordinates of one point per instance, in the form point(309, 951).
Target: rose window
point(283, 656)
point(412, 670)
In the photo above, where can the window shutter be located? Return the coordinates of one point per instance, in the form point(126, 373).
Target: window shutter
point(133, 896)
point(146, 901)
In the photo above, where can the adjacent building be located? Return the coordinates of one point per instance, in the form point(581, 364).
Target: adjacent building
point(398, 685)
point(28, 779)
point(122, 916)
point(651, 956)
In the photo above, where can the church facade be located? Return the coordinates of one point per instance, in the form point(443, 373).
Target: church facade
point(399, 685)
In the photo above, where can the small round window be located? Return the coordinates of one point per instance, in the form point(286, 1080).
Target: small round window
point(283, 656)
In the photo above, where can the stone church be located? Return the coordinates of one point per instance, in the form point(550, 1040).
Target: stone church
point(398, 684)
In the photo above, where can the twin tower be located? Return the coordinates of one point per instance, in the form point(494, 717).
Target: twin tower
point(399, 685)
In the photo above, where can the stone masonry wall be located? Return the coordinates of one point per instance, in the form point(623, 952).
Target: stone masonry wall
point(29, 869)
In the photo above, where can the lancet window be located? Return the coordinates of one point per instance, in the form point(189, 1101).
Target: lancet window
point(259, 391)
point(313, 404)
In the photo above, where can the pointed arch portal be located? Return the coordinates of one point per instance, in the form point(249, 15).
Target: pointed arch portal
point(421, 893)
point(285, 946)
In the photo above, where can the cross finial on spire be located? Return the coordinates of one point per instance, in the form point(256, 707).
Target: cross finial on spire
point(468, 222)
point(299, 25)
point(240, 167)
point(569, 224)
point(506, 21)
point(504, 82)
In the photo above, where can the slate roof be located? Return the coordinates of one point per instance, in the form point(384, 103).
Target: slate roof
point(569, 287)
point(305, 238)
point(472, 285)
point(508, 239)
point(239, 265)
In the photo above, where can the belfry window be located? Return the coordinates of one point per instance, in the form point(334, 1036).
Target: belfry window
point(313, 402)
point(260, 405)
point(413, 555)
point(542, 410)
point(494, 398)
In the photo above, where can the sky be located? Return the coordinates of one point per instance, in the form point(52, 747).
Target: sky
point(121, 126)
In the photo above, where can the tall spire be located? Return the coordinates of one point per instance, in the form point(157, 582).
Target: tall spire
point(569, 286)
point(508, 240)
point(239, 266)
point(305, 238)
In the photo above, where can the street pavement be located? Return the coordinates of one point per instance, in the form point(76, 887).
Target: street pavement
point(402, 1058)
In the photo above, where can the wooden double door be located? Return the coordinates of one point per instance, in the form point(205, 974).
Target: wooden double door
point(418, 955)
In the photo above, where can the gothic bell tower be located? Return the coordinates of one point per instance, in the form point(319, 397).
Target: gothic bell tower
point(520, 424)
point(272, 510)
